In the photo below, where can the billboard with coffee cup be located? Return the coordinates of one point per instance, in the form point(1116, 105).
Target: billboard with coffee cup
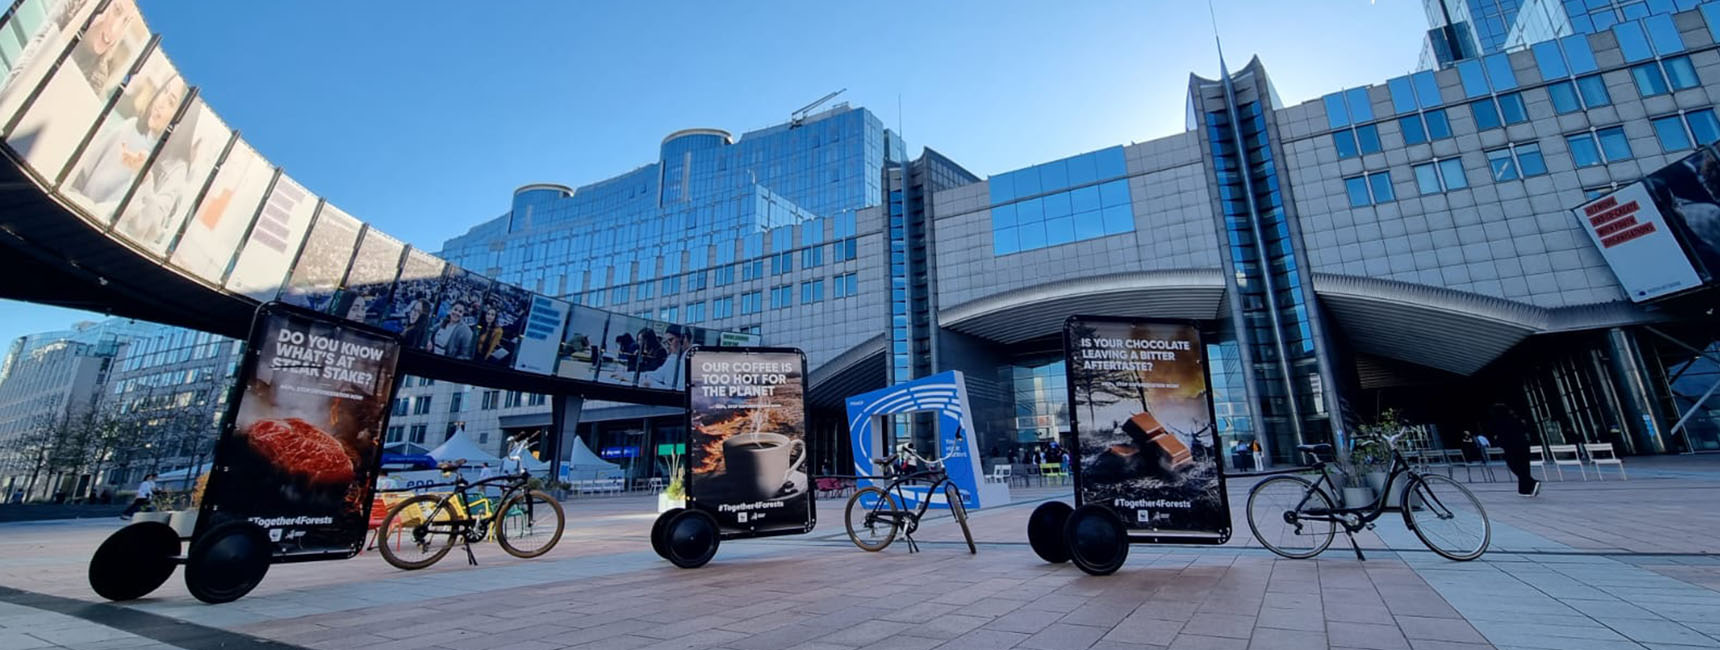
point(748, 457)
point(1141, 410)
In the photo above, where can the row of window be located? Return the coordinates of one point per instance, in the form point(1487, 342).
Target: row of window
point(780, 297)
point(1676, 132)
point(779, 263)
point(1063, 217)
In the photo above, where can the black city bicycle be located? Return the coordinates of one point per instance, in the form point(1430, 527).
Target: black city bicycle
point(1297, 518)
point(875, 515)
point(419, 531)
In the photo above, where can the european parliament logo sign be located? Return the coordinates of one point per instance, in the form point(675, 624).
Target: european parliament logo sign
point(945, 395)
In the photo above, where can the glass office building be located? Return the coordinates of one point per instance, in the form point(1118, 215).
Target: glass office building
point(1469, 29)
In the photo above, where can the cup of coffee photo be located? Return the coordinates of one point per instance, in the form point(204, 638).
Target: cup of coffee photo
point(759, 464)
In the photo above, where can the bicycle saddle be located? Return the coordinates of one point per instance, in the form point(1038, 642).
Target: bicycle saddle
point(1321, 449)
point(450, 465)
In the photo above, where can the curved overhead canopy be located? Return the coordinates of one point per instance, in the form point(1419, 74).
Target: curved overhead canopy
point(1449, 330)
point(1039, 310)
point(856, 371)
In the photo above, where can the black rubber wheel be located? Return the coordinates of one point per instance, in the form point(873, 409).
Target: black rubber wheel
point(1045, 531)
point(690, 538)
point(958, 510)
point(227, 562)
point(657, 528)
point(134, 561)
point(1098, 541)
point(868, 527)
point(530, 524)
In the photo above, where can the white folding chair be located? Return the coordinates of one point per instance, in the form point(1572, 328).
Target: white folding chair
point(999, 474)
point(1601, 453)
point(1434, 460)
point(1563, 455)
point(1454, 458)
point(1538, 458)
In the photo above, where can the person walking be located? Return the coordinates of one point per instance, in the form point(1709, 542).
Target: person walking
point(145, 490)
point(1512, 436)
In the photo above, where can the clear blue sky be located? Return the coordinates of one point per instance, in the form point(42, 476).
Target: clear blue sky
point(422, 117)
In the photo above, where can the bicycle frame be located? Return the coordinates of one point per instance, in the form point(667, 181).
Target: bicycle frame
point(1357, 517)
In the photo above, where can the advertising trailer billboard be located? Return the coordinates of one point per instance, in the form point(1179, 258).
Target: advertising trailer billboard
point(747, 454)
point(220, 220)
point(1145, 444)
point(303, 438)
point(275, 238)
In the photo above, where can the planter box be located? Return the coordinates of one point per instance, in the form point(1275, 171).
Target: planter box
point(665, 504)
point(163, 517)
point(1356, 497)
point(183, 522)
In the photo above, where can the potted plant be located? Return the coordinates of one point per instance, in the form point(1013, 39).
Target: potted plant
point(1370, 453)
point(185, 521)
point(160, 507)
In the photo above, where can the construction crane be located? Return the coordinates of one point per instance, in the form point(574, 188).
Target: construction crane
point(799, 117)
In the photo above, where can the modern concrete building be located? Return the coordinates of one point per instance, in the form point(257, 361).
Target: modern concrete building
point(1408, 245)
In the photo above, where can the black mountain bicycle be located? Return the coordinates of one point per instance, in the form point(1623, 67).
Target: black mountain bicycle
point(875, 515)
point(1296, 518)
point(419, 531)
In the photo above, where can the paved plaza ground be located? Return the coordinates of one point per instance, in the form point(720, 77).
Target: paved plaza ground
point(1591, 565)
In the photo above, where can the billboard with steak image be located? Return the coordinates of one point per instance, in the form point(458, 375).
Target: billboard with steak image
point(1144, 436)
point(303, 440)
point(747, 454)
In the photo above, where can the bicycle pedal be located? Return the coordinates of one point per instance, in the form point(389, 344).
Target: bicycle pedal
point(1370, 525)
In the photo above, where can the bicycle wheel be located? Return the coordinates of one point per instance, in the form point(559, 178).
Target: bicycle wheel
point(530, 524)
point(1448, 519)
point(959, 511)
point(869, 529)
point(417, 532)
point(1275, 509)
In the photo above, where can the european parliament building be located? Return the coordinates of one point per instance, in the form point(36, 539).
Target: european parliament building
point(1409, 245)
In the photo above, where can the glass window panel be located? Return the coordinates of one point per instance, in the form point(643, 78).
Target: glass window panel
point(1663, 35)
point(1578, 54)
point(1368, 138)
point(1089, 224)
point(1361, 110)
point(1670, 131)
point(1053, 176)
point(1382, 186)
point(1503, 167)
point(1474, 80)
point(1357, 188)
point(1486, 114)
point(1003, 216)
point(1648, 79)
point(1427, 179)
point(1680, 74)
point(1118, 219)
point(1603, 20)
point(1114, 193)
point(1635, 11)
point(1056, 205)
point(1632, 42)
point(1451, 171)
point(1026, 182)
point(1426, 89)
point(1403, 94)
point(1594, 91)
point(1550, 61)
point(1110, 162)
point(1499, 74)
point(1004, 241)
point(1060, 230)
point(1345, 142)
point(1336, 114)
point(1084, 199)
point(1438, 127)
point(1413, 132)
point(1032, 235)
point(1564, 96)
point(1704, 126)
point(1511, 109)
point(1614, 144)
point(1082, 169)
point(1711, 15)
point(1581, 24)
point(1529, 160)
point(1029, 211)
